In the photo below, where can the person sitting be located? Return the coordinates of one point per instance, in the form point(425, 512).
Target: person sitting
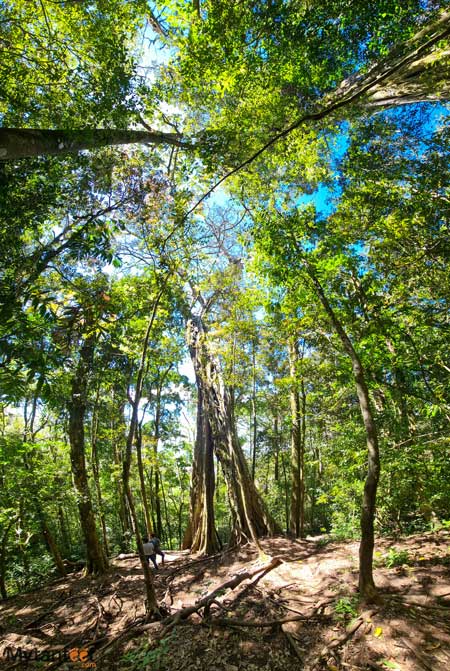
point(157, 545)
point(149, 551)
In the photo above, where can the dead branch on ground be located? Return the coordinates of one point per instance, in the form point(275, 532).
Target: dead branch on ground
point(206, 602)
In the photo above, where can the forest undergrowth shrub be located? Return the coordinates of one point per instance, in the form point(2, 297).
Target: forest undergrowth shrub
point(344, 526)
point(346, 608)
point(146, 656)
point(41, 568)
point(396, 557)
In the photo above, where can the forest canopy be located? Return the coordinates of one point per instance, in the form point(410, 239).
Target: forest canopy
point(224, 281)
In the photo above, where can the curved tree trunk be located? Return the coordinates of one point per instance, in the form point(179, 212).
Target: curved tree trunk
point(250, 517)
point(367, 587)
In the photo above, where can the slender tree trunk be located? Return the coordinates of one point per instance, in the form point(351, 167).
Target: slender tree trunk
point(3, 546)
point(276, 445)
point(168, 535)
point(148, 521)
point(23, 142)
point(51, 544)
point(254, 424)
point(96, 473)
point(297, 515)
point(123, 510)
point(286, 494)
point(21, 544)
point(65, 535)
point(366, 583)
point(250, 517)
point(96, 561)
point(157, 498)
point(151, 602)
point(29, 436)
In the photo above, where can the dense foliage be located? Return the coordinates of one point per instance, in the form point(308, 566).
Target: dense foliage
point(325, 249)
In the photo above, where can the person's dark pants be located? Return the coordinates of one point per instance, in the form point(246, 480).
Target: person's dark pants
point(161, 554)
point(153, 559)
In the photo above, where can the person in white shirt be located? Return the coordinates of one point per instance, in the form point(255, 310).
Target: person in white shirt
point(149, 550)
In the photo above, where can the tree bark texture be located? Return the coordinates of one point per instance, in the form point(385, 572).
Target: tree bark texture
point(144, 499)
point(96, 561)
point(25, 142)
point(250, 517)
point(201, 535)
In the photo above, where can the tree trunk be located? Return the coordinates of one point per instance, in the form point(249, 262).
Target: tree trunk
point(297, 515)
point(120, 492)
point(96, 561)
point(276, 445)
point(250, 517)
point(51, 544)
point(157, 498)
point(148, 521)
point(4, 543)
point(254, 424)
point(96, 473)
point(29, 436)
point(197, 493)
point(151, 602)
point(201, 533)
point(426, 79)
point(168, 534)
point(416, 71)
point(24, 142)
point(367, 587)
point(65, 536)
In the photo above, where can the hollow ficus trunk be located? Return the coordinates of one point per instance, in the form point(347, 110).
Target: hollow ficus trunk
point(201, 533)
point(297, 513)
point(250, 517)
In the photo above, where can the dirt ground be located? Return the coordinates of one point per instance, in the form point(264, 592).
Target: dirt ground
point(77, 622)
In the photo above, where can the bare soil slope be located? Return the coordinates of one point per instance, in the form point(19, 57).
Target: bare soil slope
point(302, 614)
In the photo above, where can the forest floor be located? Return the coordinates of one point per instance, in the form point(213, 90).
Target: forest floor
point(312, 583)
